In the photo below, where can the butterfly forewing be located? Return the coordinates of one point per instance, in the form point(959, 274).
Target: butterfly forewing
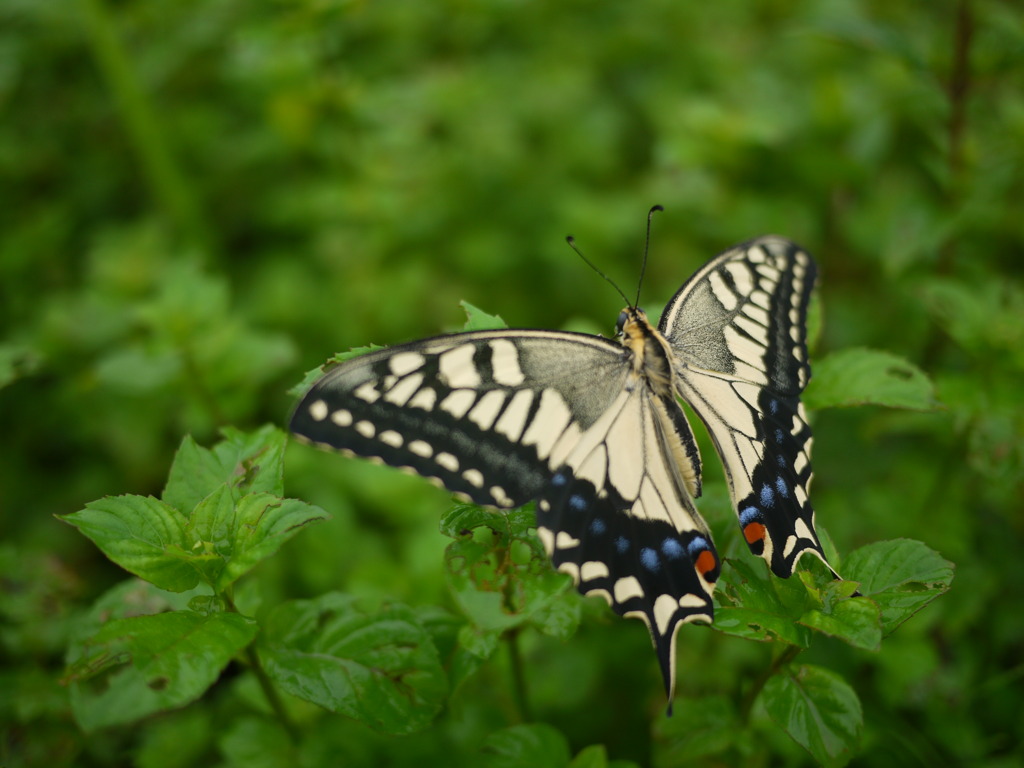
point(738, 332)
point(482, 412)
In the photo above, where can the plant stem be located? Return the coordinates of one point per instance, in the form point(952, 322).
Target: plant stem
point(515, 658)
point(269, 691)
point(781, 660)
point(273, 697)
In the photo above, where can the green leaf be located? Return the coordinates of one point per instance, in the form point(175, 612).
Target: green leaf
point(311, 376)
point(854, 620)
point(868, 376)
point(460, 519)
point(263, 523)
point(496, 593)
point(479, 643)
point(751, 603)
point(478, 320)
point(381, 669)
point(901, 576)
point(195, 473)
point(818, 709)
point(536, 745)
point(256, 459)
point(246, 461)
point(137, 666)
point(136, 532)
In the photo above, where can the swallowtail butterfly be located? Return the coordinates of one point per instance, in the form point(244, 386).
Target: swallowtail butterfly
point(591, 429)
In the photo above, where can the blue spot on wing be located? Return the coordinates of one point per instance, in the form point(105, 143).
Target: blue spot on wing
point(597, 526)
point(622, 545)
point(781, 487)
point(697, 545)
point(767, 496)
point(780, 436)
point(649, 559)
point(749, 515)
point(672, 549)
point(577, 503)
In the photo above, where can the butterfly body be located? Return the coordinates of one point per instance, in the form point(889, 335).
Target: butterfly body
point(592, 430)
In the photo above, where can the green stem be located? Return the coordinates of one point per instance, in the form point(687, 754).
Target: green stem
point(515, 658)
point(266, 685)
point(270, 692)
point(781, 660)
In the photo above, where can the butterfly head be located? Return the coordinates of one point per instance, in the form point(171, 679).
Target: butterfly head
point(632, 323)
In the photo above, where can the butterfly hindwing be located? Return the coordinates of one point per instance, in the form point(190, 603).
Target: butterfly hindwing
point(738, 332)
point(619, 518)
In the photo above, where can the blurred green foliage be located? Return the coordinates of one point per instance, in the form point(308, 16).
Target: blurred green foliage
point(202, 200)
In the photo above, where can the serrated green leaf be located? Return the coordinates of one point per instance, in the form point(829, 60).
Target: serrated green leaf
point(137, 532)
point(478, 320)
point(137, 666)
point(751, 603)
point(247, 462)
point(195, 473)
point(901, 576)
point(496, 593)
point(476, 582)
point(212, 522)
point(536, 745)
point(463, 518)
point(314, 374)
point(256, 459)
point(854, 620)
point(869, 376)
point(263, 523)
point(381, 669)
point(818, 709)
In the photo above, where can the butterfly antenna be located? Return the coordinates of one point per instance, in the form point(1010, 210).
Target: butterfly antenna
point(647, 245)
point(572, 244)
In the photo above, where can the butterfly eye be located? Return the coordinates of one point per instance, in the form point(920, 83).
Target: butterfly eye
point(621, 322)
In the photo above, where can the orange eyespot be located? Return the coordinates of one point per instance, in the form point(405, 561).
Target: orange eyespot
point(753, 533)
point(706, 562)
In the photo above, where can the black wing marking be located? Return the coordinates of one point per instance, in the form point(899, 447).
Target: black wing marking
point(738, 330)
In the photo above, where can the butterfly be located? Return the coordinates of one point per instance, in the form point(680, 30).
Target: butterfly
point(592, 430)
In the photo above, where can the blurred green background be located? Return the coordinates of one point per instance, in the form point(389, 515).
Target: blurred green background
point(199, 201)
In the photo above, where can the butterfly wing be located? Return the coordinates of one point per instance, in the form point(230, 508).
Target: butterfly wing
point(618, 518)
point(504, 417)
point(738, 332)
point(486, 414)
